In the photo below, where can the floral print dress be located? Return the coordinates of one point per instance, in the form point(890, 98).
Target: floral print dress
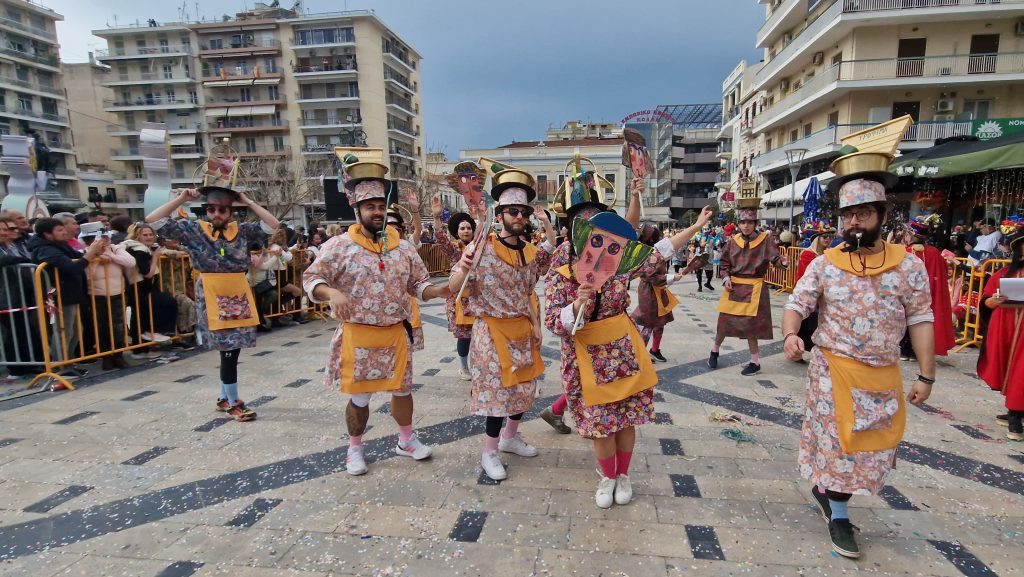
point(454, 253)
point(377, 297)
point(216, 256)
point(895, 299)
point(599, 421)
point(502, 291)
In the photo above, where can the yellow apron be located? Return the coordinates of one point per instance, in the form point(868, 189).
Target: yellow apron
point(604, 332)
point(727, 305)
point(534, 304)
point(461, 318)
point(376, 340)
point(505, 332)
point(666, 300)
point(229, 301)
point(866, 418)
point(414, 319)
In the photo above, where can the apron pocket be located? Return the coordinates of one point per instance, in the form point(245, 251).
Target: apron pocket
point(374, 364)
point(874, 410)
point(233, 308)
point(613, 361)
point(521, 353)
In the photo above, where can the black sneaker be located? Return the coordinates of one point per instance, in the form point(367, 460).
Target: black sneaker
point(700, 289)
point(1015, 428)
point(657, 355)
point(1003, 419)
point(708, 284)
point(822, 500)
point(713, 360)
point(750, 370)
point(841, 533)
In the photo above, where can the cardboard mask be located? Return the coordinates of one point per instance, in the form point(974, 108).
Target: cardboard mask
point(634, 152)
point(468, 180)
point(606, 246)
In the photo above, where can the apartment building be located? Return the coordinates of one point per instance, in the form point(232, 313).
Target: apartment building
point(283, 87)
point(833, 67)
point(32, 97)
point(576, 129)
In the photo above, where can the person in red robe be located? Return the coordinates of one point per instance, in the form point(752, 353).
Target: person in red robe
point(1001, 362)
point(917, 232)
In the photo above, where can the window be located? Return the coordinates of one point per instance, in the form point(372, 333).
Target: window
point(164, 45)
point(25, 102)
point(168, 71)
point(21, 72)
point(250, 144)
point(807, 130)
point(242, 68)
point(977, 109)
point(245, 94)
point(273, 93)
point(910, 56)
point(179, 169)
point(794, 135)
point(278, 143)
point(269, 66)
point(216, 43)
point(236, 40)
point(833, 119)
point(171, 98)
point(837, 58)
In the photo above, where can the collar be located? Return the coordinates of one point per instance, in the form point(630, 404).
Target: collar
point(513, 256)
point(355, 232)
point(228, 233)
point(858, 264)
point(744, 243)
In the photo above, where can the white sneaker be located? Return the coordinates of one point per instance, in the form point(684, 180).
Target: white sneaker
point(492, 466)
point(413, 448)
point(623, 490)
point(605, 488)
point(354, 462)
point(155, 337)
point(464, 374)
point(518, 446)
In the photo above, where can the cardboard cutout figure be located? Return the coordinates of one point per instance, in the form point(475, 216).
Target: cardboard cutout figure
point(468, 180)
point(634, 153)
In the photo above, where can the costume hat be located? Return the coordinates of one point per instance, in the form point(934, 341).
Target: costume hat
point(513, 186)
point(366, 181)
point(748, 214)
point(866, 155)
point(457, 219)
point(811, 230)
point(583, 188)
point(925, 224)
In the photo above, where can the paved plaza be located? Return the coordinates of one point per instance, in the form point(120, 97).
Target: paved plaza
point(136, 474)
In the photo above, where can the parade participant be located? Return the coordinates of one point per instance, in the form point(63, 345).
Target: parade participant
point(504, 355)
point(654, 301)
point(219, 250)
point(568, 208)
point(608, 385)
point(703, 245)
point(1001, 362)
point(744, 310)
point(819, 237)
point(917, 231)
point(367, 275)
point(867, 293)
point(461, 228)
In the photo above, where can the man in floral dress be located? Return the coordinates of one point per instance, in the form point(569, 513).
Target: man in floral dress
point(867, 293)
point(504, 354)
point(368, 275)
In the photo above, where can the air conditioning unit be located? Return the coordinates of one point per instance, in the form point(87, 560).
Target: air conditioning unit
point(819, 57)
point(943, 118)
point(945, 105)
point(1018, 29)
point(784, 86)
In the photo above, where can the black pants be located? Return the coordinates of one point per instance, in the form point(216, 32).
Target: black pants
point(109, 322)
point(145, 298)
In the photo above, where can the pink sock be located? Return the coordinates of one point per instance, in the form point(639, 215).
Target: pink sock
point(404, 433)
point(355, 440)
point(490, 444)
point(622, 459)
point(607, 466)
point(558, 407)
point(755, 358)
point(716, 348)
point(511, 428)
point(656, 342)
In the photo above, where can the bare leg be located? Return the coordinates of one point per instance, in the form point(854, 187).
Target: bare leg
point(625, 440)
point(401, 410)
point(719, 339)
point(356, 418)
point(605, 447)
point(752, 345)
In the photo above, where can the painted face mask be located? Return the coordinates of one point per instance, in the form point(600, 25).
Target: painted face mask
point(468, 180)
point(607, 246)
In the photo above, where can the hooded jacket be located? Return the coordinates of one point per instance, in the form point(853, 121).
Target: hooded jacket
point(68, 261)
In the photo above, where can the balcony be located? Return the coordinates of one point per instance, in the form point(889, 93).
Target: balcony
point(841, 17)
point(232, 125)
point(147, 78)
point(235, 76)
point(318, 96)
point(130, 130)
point(329, 122)
point(403, 129)
point(244, 47)
point(152, 102)
point(680, 175)
point(401, 59)
point(403, 154)
point(786, 15)
point(26, 84)
point(901, 73)
point(400, 81)
point(31, 114)
point(327, 148)
point(47, 59)
point(130, 153)
point(265, 151)
point(28, 29)
point(403, 105)
point(126, 52)
point(343, 38)
point(187, 152)
point(325, 69)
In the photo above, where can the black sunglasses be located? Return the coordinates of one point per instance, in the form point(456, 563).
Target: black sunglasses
point(218, 209)
point(514, 212)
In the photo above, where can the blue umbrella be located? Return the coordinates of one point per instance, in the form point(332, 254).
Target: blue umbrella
point(812, 196)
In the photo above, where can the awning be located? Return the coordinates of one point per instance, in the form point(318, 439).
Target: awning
point(962, 156)
point(267, 81)
point(783, 193)
point(240, 82)
point(239, 111)
point(262, 109)
point(183, 140)
point(780, 214)
point(214, 112)
point(215, 83)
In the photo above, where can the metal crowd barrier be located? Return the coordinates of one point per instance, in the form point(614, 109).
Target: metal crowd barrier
point(437, 262)
point(784, 277)
point(973, 301)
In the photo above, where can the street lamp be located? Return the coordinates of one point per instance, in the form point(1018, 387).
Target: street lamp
point(353, 135)
point(795, 158)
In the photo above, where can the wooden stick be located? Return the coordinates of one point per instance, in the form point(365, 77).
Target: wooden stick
point(579, 317)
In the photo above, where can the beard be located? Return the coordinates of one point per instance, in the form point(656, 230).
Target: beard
point(868, 237)
point(372, 226)
point(513, 228)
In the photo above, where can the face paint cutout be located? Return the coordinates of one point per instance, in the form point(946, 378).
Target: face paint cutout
point(605, 248)
point(468, 180)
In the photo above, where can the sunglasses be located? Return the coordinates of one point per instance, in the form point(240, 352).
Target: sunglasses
point(514, 212)
point(218, 210)
point(748, 222)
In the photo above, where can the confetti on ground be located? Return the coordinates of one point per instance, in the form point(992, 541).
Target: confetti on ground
point(737, 435)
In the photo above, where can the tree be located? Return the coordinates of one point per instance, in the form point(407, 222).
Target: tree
point(282, 184)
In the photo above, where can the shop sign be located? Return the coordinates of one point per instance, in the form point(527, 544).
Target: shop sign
point(649, 116)
point(996, 127)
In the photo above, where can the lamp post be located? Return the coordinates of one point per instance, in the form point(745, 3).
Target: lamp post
point(353, 135)
point(795, 158)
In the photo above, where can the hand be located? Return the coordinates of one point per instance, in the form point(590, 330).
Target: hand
point(784, 262)
point(339, 305)
point(727, 285)
point(413, 199)
point(542, 216)
point(466, 262)
point(435, 206)
point(585, 292)
point(189, 194)
point(244, 199)
point(919, 393)
point(276, 251)
point(794, 347)
point(705, 216)
point(637, 186)
point(996, 300)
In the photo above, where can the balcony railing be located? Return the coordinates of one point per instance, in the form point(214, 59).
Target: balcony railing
point(27, 28)
point(153, 76)
point(187, 150)
point(329, 122)
point(853, 6)
point(343, 37)
point(150, 101)
point(799, 40)
point(299, 95)
point(131, 151)
point(400, 79)
point(777, 15)
point(243, 123)
point(897, 68)
point(47, 58)
point(169, 50)
point(4, 79)
point(319, 148)
point(403, 58)
point(43, 115)
point(403, 102)
point(328, 67)
point(403, 127)
point(116, 128)
point(267, 43)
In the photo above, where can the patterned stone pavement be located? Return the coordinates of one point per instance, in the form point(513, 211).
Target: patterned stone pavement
point(135, 474)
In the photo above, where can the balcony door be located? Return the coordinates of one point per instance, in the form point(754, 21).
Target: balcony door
point(984, 48)
point(910, 57)
point(903, 108)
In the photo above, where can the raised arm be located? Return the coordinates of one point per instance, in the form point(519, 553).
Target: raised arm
point(264, 214)
point(168, 208)
point(680, 239)
point(636, 189)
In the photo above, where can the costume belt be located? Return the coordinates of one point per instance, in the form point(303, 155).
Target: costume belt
point(665, 299)
point(229, 301)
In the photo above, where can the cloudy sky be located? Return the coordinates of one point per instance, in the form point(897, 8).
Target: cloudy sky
point(497, 72)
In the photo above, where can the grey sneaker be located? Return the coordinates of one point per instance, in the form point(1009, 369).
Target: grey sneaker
point(557, 422)
point(843, 542)
point(518, 446)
